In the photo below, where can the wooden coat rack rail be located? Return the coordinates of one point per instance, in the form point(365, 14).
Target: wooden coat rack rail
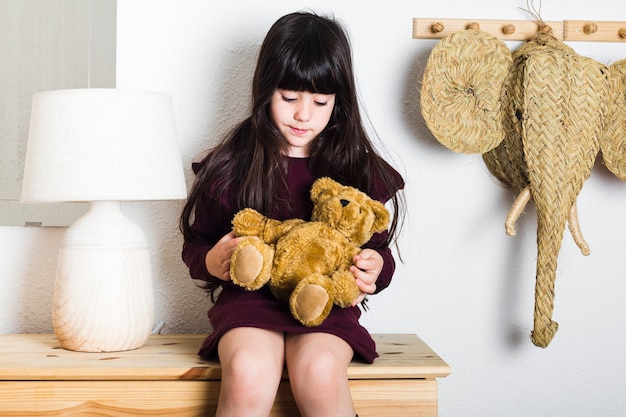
point(521, 30)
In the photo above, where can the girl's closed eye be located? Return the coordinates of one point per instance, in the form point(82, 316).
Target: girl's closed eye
point(322, 99)
point(291, 97)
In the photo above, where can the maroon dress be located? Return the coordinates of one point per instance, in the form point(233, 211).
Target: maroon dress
point(236, 307)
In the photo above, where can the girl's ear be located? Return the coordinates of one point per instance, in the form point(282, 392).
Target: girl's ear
point(322, 185)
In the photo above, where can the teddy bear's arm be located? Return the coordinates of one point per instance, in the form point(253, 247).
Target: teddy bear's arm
point(249, 222)
point(275, 229)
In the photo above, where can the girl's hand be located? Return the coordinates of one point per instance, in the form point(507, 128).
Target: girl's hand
point(366, 267)
point(218, 258)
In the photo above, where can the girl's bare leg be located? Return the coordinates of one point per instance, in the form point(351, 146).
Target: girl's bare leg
point(318, 374)
point(252, 363)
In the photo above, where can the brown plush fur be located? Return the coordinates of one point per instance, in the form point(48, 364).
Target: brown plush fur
point(307, 263)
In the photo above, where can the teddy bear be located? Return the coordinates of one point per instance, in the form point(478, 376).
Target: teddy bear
point(307, 263)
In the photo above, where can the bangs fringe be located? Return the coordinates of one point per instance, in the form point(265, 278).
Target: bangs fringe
point(310, 71)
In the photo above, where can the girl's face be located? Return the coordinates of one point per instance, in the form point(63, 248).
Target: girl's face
point(300, 116)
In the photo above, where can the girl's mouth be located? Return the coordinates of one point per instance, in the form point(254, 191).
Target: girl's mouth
point(298, 132)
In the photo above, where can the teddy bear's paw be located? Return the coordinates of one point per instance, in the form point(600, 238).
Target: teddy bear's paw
point(310, 304)
point(312, 300)
point(251, 264)
point(346, 290)
point(248, 266)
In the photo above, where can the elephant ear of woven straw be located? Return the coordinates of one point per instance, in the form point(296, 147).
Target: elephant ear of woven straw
point(613, 143)
point(507, 161)
point(461, 91)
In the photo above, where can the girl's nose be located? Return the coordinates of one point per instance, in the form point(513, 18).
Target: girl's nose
point(303, 112)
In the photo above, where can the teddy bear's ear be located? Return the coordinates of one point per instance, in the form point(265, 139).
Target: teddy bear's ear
point(382, 216)
point(322, 185)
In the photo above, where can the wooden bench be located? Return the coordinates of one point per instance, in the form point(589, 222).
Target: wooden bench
point(166, 377)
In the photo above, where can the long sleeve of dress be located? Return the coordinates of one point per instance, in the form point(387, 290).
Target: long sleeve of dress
point(209, 226)
point(194, 255)
point(208, 229)
point(389, 263)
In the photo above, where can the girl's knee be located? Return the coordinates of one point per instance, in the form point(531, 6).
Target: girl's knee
point(314, 354)
point(320, 387)
point(326, 364)
point(250, 375)
point(323, 375)
point(249, 369)
point(251, 358)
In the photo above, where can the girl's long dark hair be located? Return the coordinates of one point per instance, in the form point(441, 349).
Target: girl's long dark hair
point(301, 52)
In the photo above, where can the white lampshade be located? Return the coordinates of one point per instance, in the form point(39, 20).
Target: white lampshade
point(102, 146)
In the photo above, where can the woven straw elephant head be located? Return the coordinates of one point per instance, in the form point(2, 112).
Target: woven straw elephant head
point(539, 117)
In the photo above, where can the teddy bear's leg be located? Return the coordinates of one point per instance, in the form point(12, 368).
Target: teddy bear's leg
point(312, 299)
point(346, 290)
point(251, 263)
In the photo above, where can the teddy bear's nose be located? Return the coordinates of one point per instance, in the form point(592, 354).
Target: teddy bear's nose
point(344, 202)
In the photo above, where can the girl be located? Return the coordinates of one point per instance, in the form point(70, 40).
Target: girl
point(304, 124)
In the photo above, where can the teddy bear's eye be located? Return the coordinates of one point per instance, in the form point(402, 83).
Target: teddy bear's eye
point(344, 202)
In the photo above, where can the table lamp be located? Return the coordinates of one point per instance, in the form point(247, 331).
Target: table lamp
point(102, 146)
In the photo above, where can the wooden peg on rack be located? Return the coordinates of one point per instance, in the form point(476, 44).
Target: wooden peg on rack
point(516, 30)
point(508, 29)
point(590, 28)
point(584, 30)
point(438, 27)
point(546, 29)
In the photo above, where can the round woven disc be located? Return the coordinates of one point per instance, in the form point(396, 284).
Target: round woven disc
point(461, 91)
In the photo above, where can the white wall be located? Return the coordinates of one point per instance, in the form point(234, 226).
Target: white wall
point(464, 287)
point(46, 45)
